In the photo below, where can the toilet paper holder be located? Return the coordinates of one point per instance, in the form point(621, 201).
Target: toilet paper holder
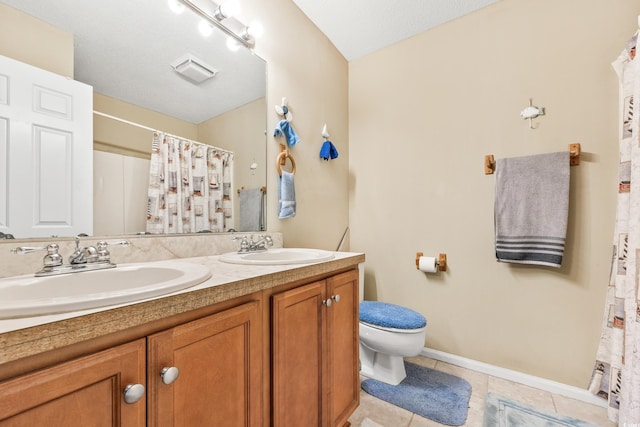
point(441, 262)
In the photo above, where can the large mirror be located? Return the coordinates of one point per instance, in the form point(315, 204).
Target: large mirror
point(126, 50)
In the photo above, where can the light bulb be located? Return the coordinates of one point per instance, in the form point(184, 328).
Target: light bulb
point(232, 44)
point(205, 28)
point(255, 29)
point(227, 10)
point(176, 6)
point(230, 8)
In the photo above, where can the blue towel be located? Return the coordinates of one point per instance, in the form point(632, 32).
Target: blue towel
point(285, 129)
point(287, 196)
point(328, 150)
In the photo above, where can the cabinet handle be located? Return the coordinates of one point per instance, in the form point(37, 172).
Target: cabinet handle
point(336, 298)
point(327, 302)
point(169, 375)
point(133, 393)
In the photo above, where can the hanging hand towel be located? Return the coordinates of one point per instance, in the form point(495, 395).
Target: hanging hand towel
point(250, 209)
point(531, 208)
point(285, 129)
point(287, 196)
point(328, 150)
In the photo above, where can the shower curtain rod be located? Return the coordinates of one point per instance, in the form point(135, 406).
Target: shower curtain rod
point(128, 122)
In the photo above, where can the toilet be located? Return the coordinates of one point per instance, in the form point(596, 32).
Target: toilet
point(388, 334)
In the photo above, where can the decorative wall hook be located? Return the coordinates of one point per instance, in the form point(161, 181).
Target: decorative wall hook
point(531, 112)
point(283, 110)
point(328, 150)
point(325, 133)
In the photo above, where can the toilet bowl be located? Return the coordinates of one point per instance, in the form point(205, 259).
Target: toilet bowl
point(388, 334)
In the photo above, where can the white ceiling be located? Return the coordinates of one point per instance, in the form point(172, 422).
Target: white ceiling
point(359, 27)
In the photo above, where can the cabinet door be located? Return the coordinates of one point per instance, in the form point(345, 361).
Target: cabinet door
point(342, 338)
point(219, 359)
point(80, 393)
point(297, 356)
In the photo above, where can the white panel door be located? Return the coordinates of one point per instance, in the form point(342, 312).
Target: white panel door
point(46, 152)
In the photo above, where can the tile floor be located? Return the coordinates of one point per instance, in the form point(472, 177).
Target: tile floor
point(373, 411)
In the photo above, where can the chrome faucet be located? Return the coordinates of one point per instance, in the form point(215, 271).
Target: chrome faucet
point(84, 255)
point(249, 245)
point(82, 259)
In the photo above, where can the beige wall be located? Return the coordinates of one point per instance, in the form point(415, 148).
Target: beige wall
point(422, 115)
point(35, 42)
point(243, 131)
point(115, 136)
point(305, 67)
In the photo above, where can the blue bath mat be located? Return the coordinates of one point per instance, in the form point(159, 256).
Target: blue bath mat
point(500, 411)
point(429, 393)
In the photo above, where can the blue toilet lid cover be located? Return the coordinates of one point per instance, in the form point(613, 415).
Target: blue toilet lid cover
point(390, 315)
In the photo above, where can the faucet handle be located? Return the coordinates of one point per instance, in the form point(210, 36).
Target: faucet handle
point(103, 252)
point(23, 250)
point(51, 259)
point(244, 243)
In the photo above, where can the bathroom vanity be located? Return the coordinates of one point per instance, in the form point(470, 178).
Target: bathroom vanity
point(251, 346)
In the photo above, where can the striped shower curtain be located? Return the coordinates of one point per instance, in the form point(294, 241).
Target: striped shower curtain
point(616, 376)
point(189, 187)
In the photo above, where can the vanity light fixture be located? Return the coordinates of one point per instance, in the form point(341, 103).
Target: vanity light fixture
point(225, 11)
point(255, 30)
point(228, 9)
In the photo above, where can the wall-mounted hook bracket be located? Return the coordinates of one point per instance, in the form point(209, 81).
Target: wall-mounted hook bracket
point(531, 112)
point(283, 110)
point(325, 132)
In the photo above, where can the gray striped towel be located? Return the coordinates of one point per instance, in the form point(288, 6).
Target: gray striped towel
point(531, 208)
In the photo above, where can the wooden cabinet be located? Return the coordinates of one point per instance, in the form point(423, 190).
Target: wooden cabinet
point(219, 359)
point(80, 393)
point(315, 353)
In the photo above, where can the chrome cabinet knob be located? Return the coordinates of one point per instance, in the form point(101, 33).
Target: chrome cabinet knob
point(327, 302)
point(169, 374)
point(133, 393)
point(336, 298)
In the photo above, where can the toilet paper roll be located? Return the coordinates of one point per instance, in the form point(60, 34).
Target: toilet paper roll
point(428, 264)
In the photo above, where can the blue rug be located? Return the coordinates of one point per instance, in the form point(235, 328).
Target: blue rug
point(502, 412)
point(429, 393)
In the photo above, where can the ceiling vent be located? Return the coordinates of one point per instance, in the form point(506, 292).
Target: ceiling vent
point(193, 68)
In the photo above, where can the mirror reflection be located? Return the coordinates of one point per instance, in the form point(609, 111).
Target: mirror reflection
point(153, 73)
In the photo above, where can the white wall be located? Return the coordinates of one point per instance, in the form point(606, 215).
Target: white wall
point(120, 185)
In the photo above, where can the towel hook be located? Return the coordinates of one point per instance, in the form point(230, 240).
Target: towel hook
point(283, 110)
point(531, 112)
point(325, 133)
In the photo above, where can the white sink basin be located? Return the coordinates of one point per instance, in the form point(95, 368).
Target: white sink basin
point(278, 256)
point(25, 296)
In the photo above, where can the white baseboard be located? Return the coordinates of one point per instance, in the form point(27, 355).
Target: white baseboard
point(519, 377)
